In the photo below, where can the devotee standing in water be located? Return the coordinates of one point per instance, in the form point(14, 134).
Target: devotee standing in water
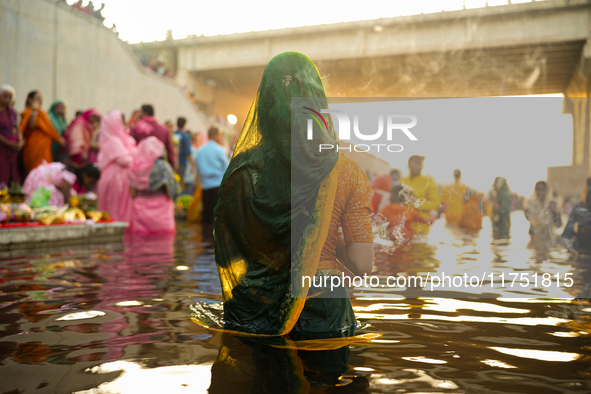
point(499, 198)
point(212, 162)
point(154, 189)
point(473, 210)
point(11, 139)
point(259, 209)
point(577, 232)
point(81, 136)
point(38, 132)
point(543, 214)
point(452, 196)
point(424, 190)
point(116, 153)
point(57, 114)
point(401, 218)
point(381, 189)
point(147, 126)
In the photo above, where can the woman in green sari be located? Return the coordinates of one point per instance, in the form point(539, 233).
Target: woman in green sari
point(279, 210)
point(499, 197)
point(57, 115)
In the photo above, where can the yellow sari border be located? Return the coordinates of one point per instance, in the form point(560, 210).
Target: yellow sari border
point(314, 240)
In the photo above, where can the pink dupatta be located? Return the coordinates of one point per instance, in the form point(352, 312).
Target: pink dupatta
point(79, 134)
point(149, 150)
point(115, 142)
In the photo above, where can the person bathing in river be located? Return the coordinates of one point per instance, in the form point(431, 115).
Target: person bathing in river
point(401, 218)
point(259, 208)
point(154, 189)
point(425, 193)
point(543, 214)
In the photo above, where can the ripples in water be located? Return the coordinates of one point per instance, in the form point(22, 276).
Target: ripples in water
point(115, 319)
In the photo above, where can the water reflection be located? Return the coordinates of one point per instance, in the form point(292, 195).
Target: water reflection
point(114, 319)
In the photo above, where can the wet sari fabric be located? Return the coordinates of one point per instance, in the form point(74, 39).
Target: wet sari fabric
point(277, 184)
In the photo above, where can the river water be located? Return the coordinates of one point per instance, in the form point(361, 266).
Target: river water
point(115, 319)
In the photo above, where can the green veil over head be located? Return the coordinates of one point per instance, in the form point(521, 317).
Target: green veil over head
point(276, 184)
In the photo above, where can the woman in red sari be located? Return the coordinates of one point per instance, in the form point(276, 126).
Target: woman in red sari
point(82, 138)
point(38, 131)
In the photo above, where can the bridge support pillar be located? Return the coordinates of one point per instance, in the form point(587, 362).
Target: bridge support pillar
point(570, 180)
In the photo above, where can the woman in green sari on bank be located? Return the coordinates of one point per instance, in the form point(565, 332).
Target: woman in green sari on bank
point(57, 115)
point(279, 210)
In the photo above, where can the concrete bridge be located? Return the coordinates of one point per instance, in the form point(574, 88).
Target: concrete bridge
point(538, 47)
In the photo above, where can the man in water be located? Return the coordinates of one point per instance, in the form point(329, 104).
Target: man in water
point(424, 190)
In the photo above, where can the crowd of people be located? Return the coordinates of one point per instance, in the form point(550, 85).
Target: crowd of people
point(410, 205)
point(268, 229)
point(89, 9)
point(283, 215)
point(134, 169)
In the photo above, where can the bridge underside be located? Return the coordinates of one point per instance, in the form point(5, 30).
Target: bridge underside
point(529, 69)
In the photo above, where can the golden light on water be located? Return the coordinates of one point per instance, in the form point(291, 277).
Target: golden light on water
point(425, 360)
point(522, 321)
point(544, 355)
point(136, 379)
point(129, 303)
point(453, 305)
point(497, 363)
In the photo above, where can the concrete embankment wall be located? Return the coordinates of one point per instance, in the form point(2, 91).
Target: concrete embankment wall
point(65, 54)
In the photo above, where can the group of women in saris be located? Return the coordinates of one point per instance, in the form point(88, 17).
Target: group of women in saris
point(136, 186)
point(42, 136)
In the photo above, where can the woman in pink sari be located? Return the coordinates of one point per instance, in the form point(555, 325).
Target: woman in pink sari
point(81, 138)
point(116, 152)
point(154, 190)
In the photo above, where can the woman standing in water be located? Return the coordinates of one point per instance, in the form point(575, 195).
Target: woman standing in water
point(542, 213)
point(499, 197)
point(116, 153)
point(577, 232)
point(279, 211)
point(154, 190)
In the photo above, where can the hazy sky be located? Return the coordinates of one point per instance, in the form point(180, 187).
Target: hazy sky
point(148, 20)
point(517, 138)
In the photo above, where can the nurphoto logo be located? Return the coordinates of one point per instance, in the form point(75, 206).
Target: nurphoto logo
point(393, 122)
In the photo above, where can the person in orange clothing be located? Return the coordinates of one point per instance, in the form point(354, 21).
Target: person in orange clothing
point(453, 197)
point(472, 210)
point(380, 187)
point(401, 217)
point(38, 131)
